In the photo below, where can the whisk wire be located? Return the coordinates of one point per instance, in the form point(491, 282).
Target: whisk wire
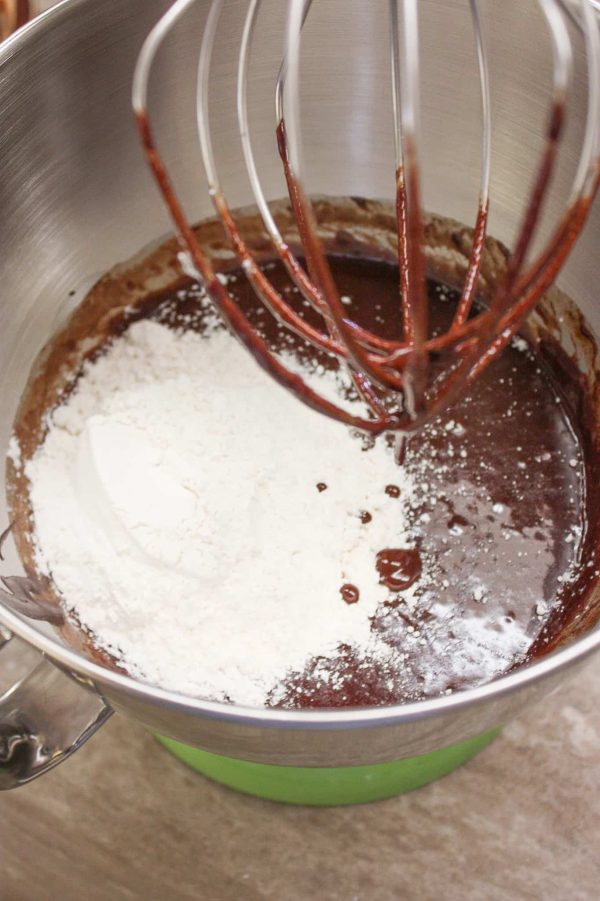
point(198, 263)
point(465, 303)
point(391, 376)
point(405, 93)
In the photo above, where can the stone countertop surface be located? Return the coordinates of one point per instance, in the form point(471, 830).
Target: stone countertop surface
point(122, 819)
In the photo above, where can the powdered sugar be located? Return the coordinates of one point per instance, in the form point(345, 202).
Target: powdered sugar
point(176, 509)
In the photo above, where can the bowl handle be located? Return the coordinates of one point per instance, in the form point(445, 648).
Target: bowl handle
point(43, 719)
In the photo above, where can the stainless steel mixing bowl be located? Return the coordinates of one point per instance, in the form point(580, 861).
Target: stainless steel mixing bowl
point(76, 197)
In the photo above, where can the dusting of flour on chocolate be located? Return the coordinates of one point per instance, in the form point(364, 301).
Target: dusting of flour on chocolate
point(220, 539)
point(176, 511)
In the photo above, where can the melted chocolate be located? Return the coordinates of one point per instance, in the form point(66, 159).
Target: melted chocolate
point(506, 488)
point(407, 369)
point(350, 593)
point(398, 568)
point(500, 513)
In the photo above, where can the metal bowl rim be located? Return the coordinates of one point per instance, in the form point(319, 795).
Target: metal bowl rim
point(338, 718)
point(343, 718)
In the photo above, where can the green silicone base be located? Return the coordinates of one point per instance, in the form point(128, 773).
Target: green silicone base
point(329, 786)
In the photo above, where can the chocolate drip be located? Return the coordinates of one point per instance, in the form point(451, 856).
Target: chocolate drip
point(350, 593)
point(394, 382)
point(494, 503)
point(398, 568)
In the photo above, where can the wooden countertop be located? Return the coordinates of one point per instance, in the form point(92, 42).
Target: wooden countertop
point(124, 820)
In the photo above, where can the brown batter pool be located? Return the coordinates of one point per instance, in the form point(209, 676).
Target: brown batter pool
point(502, 511)
point(505, 519)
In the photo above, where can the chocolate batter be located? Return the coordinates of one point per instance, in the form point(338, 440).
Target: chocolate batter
point(500, 519)
point(506, 514)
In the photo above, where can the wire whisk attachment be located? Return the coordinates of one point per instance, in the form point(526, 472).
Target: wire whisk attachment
point(396, 379)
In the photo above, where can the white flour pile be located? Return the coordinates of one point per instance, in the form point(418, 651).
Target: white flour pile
point(177, 511)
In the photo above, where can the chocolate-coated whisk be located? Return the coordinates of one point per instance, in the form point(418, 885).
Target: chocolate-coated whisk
point(394, 378)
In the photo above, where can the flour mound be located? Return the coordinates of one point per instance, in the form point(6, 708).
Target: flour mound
point(176, 509)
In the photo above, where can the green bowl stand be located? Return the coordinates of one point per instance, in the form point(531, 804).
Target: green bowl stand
point(329, 786)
